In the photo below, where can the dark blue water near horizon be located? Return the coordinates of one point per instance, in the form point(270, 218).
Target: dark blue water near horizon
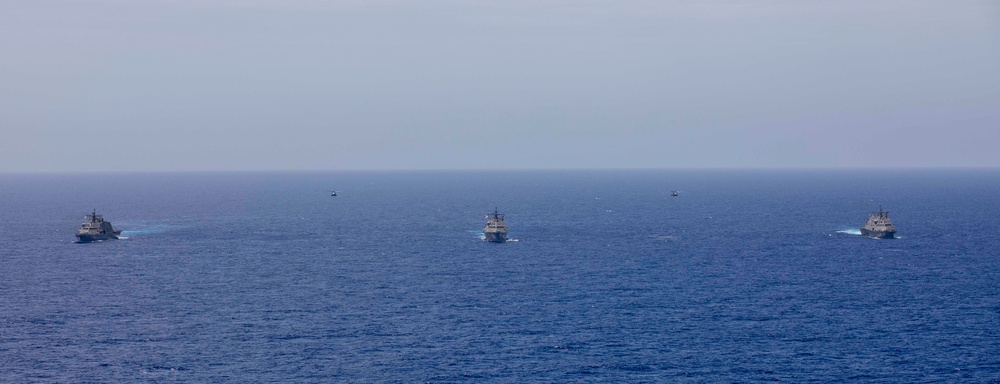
point(747, 276)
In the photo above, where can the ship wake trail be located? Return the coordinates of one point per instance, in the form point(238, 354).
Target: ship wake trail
point(483, 238)
point(141, 231)
point(851, 231)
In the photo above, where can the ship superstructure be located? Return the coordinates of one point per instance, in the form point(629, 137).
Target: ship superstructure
point(879, 225)
point(496, 228)
point(96, 229)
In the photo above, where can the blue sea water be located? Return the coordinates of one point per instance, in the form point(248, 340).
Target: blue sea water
point(747, 276)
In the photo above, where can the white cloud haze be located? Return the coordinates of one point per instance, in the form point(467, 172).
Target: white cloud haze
point(316, 85)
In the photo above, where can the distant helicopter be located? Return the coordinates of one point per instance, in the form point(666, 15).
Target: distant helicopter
point(673, 193)
point(333, 193)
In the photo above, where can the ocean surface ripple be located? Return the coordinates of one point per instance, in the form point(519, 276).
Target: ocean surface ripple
point(263, 277)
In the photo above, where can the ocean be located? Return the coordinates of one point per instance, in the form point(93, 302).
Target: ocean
point(746, 276)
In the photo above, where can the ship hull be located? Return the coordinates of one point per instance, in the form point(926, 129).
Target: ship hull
point(93, 238)
point(496, 237)
point(878, 234)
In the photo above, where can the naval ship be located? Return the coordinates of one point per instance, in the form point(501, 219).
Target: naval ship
point(879, 226)
point(496, 229)
point(96, 229)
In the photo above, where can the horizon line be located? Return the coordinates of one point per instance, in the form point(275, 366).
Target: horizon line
point(434, 170)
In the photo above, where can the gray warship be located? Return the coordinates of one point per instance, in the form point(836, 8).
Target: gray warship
point(496, 228)
point(879, 225)
point(96, 229)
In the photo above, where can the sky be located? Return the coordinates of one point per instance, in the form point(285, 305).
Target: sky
point(245, 85)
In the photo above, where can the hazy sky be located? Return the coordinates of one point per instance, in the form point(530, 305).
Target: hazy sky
point(177, 85)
